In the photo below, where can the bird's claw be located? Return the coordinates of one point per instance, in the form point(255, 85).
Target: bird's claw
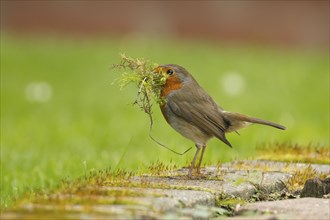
point(191, 172)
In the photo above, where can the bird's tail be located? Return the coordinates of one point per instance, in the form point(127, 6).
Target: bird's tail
point(237, 121)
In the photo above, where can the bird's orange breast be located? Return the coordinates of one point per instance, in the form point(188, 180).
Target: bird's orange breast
point(172, 83)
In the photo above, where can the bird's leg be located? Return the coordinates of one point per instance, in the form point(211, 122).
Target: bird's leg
point(194, 160)
point(200, 160)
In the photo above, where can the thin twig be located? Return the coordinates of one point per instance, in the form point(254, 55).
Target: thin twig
point(168, 147)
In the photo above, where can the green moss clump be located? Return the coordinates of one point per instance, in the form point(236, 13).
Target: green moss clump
point(299, 177)
point(288, 152)
point(160, 169)
point(139, 71)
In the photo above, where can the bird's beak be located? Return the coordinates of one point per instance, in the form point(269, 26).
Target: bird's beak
point(157, 70)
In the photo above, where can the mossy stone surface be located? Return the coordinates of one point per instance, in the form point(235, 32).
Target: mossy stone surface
point(169, 193)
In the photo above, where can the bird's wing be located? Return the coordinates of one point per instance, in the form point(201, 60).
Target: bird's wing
point(201, 111)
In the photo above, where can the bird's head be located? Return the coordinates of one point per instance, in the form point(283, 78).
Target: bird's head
point(176, 77)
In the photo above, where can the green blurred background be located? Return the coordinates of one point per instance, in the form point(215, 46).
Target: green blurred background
point(61, 115)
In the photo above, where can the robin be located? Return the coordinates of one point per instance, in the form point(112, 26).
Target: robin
point(195, 115)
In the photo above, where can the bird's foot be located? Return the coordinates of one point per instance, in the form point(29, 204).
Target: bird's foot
point(195, 175)
point(190, 173)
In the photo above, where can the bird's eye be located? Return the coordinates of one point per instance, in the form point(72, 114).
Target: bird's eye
point(170, 72)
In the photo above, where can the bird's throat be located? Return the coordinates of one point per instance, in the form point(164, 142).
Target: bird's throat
point(172, 83)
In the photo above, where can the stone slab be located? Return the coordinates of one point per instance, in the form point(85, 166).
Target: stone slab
point(300, 209)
